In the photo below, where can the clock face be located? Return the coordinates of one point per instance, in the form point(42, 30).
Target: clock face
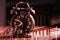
point(22, 23)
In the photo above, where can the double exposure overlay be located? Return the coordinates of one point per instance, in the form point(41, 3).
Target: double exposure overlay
point(29, 20)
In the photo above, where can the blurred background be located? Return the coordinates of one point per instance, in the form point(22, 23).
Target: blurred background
point(47, 14)
point(47, 11)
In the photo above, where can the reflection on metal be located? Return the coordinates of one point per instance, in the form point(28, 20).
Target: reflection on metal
point(39, 33)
